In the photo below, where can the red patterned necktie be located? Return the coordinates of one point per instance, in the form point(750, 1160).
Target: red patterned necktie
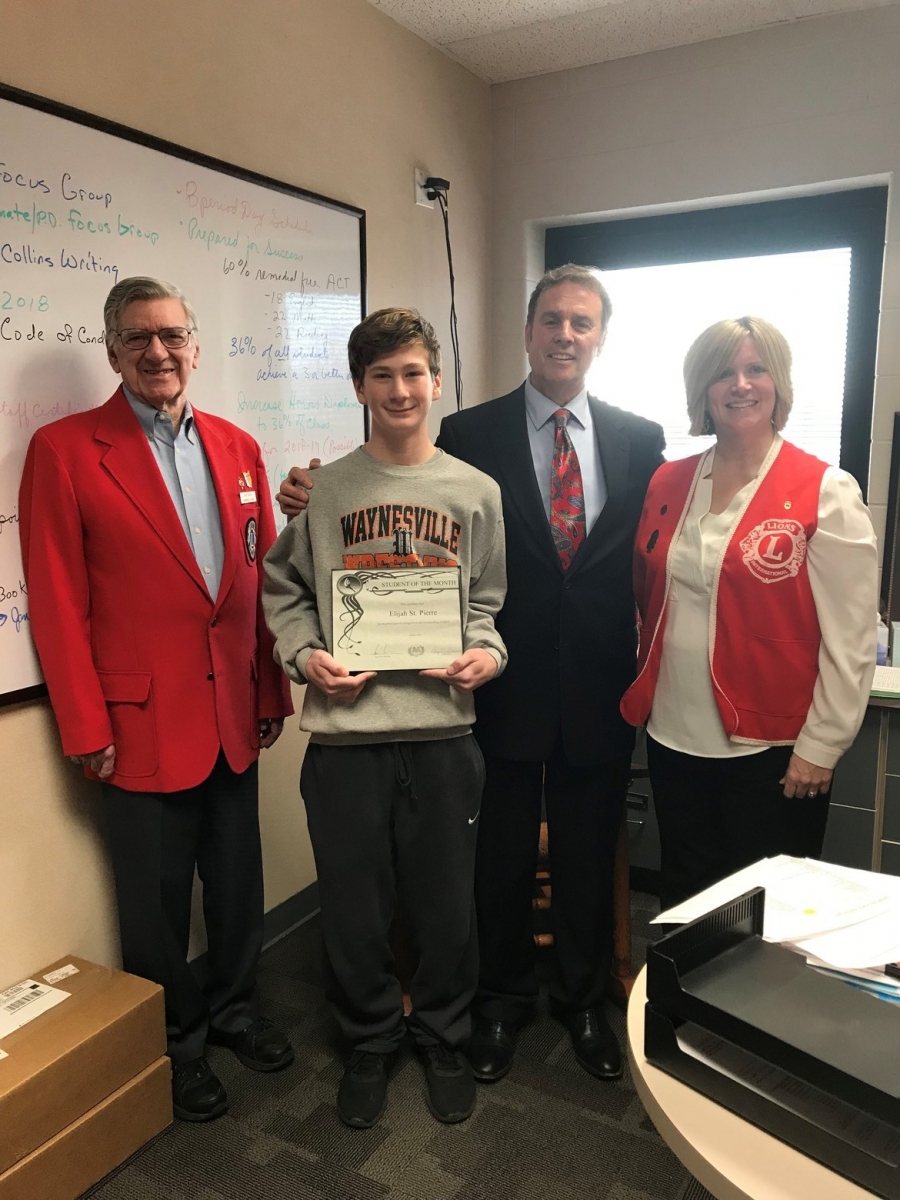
point(567, 522)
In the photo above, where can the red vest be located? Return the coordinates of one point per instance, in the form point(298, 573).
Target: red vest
point(764, 632)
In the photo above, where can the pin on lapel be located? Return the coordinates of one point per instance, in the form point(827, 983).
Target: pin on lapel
point(245, 482)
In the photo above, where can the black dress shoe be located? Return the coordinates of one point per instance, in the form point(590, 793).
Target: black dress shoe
point(491, 1049)
point(594, 1043)
point(197, 1093)
point(259, 1046)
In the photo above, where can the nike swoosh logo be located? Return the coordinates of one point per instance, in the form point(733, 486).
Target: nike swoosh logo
point(472, 820)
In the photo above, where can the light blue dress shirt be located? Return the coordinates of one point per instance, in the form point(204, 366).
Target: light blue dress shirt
point(542, 436)
point(185, 471)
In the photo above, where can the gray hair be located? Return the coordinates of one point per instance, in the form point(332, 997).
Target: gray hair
point(140, 287)
point(582, 277)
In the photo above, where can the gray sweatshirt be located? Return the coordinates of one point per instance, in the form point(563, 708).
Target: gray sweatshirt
point(364, 513)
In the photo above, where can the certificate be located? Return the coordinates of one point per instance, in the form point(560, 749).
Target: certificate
point(408, 619)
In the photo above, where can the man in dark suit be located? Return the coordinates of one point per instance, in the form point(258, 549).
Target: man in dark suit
point(551, 725)
point(573, 486)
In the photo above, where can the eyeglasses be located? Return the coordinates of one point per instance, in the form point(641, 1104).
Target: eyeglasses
point(174, 338)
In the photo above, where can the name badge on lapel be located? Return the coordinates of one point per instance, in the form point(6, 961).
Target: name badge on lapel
point(248, 497)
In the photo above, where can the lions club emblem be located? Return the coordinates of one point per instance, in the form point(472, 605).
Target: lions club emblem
point(250, 539)
point(775, 549)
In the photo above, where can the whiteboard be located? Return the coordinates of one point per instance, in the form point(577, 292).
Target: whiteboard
point(276, 275)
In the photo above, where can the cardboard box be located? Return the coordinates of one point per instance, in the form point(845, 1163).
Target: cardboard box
point(97, 1142)
point(65, 1061)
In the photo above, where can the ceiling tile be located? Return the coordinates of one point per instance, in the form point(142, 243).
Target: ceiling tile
point(442, 23)
point(502, 40)
point(616, 31)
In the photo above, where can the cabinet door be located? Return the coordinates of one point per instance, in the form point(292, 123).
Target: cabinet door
point(848, 837)
point(855, 778)
point(890, 858)
point(643, 832)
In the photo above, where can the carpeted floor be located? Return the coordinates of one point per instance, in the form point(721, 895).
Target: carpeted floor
point(546, 1132)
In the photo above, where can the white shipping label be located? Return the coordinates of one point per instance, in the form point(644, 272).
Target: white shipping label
point(24, 1001)
point(61, 973)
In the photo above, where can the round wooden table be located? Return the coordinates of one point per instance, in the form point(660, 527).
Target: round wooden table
point(732, 1158)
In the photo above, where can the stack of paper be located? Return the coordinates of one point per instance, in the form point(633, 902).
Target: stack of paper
point(886, 681)
point(885, 987)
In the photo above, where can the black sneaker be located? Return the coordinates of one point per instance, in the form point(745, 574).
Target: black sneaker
point(197, 1093)
point(450, 1084)
point(362, 1092)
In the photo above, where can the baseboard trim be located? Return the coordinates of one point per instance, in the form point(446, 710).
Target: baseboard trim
point(279, 921)
point(290, 914)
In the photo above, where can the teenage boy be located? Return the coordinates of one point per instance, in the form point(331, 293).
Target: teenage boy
point(392, 777)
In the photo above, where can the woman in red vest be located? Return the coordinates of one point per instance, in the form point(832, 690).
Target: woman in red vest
point(756, 579)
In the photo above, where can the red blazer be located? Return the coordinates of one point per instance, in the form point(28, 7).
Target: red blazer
point(133, 648)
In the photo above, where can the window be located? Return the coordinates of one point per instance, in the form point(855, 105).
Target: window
point(660, 310)
point(811, 266)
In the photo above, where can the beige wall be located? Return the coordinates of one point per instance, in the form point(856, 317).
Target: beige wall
point(329, 95)
point(793, 107)
point(334, 97)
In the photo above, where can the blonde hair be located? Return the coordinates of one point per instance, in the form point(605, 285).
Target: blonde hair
point(713, 351)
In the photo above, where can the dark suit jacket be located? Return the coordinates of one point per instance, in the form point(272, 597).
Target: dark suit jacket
point(571, 637)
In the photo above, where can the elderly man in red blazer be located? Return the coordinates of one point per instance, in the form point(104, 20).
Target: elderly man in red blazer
point(144, 524)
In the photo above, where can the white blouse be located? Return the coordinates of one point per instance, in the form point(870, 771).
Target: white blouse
point(842, 560)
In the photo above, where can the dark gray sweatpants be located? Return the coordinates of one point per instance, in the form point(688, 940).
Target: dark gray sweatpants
point(388, 818)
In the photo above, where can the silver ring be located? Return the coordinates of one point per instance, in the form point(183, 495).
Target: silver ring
point(812, 792)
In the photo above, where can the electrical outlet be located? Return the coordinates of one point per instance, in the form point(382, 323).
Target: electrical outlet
point(419, 177)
